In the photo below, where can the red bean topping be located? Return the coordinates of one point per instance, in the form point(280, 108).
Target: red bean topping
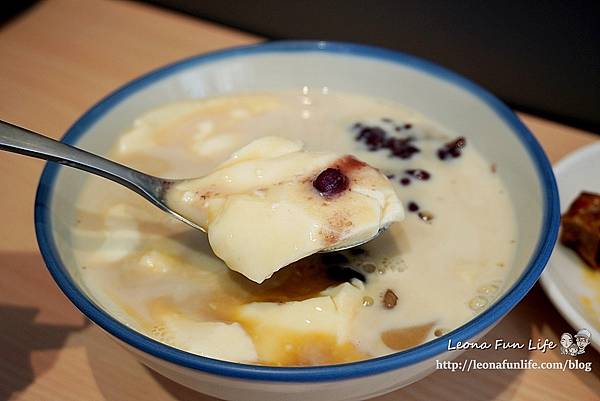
point(390, 299)
point(330, 182)
point(413, 207)
point(419, 174)
point(373, 137)
point(452, 149)
point(402, 147)
point(376, 138)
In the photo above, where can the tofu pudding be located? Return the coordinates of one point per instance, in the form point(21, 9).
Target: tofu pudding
point(434, 270)
point(272, 203)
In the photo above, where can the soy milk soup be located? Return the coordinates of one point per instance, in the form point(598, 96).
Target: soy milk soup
point(438, 268)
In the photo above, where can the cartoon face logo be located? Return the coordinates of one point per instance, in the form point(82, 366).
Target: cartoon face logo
point(575, 345)
point(573, 350)
point(566, 340)
point(582, 338)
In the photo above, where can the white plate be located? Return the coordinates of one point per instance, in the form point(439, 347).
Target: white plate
point(565, 279)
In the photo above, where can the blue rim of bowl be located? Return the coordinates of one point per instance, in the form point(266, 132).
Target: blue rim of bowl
point(550, 224)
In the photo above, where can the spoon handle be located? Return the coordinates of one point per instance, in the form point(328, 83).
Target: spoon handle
point(20, 140)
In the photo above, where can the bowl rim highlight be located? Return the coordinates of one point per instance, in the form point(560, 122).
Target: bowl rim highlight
point(550, 224)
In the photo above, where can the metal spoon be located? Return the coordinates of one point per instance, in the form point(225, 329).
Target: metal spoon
point(20, 140)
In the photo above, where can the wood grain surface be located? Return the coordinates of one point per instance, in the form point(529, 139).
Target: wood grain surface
point(59, 58)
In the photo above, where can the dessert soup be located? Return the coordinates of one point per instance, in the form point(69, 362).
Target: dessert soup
point(433, 270)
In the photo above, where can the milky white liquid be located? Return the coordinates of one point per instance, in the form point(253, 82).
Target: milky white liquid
point(160, 277)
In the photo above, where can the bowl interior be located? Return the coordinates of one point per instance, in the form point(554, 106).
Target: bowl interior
point(444, 97)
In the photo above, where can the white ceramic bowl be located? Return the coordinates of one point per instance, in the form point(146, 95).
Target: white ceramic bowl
point(433, 91)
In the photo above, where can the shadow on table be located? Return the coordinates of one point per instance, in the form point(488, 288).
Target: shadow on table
point(114, 377)
point(20, 333)
point(178, 391)
point(119, 376)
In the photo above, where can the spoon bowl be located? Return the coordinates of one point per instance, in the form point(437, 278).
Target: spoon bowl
point(357, 243)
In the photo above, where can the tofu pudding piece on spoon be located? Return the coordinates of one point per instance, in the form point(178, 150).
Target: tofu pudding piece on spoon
point(268, 205)
point(272, 203)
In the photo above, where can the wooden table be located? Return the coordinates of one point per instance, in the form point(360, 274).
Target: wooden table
point(58, 59)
